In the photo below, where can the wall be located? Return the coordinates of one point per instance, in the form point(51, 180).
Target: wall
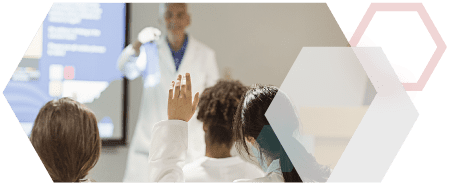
point(260, 42)
point(111, 166)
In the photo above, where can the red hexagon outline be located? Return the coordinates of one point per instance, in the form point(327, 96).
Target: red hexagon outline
point(420, 9)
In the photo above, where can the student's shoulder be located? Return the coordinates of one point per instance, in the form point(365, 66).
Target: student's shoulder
point(193, 166)
point(249, 165)
point(253, 170)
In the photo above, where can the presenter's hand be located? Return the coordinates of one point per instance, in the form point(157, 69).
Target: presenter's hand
point(148, 34)
point(180, 105)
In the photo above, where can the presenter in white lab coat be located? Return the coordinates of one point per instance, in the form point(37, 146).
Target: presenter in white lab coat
point(250, 128)
point(159, 60)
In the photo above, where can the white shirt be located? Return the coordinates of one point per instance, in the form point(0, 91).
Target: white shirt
point(167, 154)
point(274, 174)
point(208, 169)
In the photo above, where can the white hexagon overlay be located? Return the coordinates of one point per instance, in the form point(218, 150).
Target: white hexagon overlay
point(384, 127)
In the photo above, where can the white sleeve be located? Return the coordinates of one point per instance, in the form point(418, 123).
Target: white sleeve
point(212, 74)
point(129, 64)
point(167, 153)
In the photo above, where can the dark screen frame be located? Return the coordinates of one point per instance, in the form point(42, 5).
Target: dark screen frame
point(125, 82)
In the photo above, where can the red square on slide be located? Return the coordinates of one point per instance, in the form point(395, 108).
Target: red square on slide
point(69, 72)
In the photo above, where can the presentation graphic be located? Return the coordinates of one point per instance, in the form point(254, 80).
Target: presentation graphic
point(80, 46)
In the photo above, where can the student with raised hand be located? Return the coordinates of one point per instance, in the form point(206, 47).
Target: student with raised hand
point(169, 138)
point(216, 110)
point(159, 57)
point(66, 138)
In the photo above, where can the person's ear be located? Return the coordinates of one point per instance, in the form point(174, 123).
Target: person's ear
point(205, 127)
point(251, 140)
point(189, 20)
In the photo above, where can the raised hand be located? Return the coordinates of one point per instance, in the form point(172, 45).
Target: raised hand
point(180, 104)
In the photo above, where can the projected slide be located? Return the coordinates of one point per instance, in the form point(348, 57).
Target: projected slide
point(80, 43)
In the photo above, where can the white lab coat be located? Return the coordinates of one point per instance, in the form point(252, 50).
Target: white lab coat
point(169, 140)
point(200, 61)
point(228, 169)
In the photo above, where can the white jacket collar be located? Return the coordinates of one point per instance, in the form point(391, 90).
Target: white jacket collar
point(166, 55)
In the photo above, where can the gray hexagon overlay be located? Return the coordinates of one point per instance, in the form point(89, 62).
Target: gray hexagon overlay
point(322, 77)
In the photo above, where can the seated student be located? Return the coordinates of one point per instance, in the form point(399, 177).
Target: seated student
point(66, 138)
point(216, 109)
point(168, 144)
point(251, 128)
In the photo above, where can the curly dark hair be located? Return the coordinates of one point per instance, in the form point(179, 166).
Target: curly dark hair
point(217, 107)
